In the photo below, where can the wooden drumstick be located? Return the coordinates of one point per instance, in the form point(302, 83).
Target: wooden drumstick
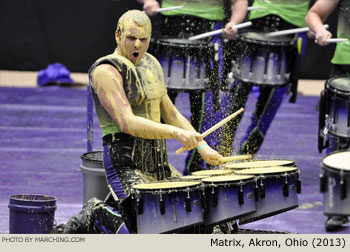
point(335, 40)
point(234, 158)
point(291, 31)
point(215, 127)
point(169, 8)
point(216, 32)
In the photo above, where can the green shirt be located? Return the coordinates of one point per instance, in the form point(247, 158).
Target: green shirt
point(342, 51)
point(207, 9)
point(292, 11)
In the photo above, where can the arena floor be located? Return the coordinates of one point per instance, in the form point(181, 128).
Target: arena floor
point(43, 134)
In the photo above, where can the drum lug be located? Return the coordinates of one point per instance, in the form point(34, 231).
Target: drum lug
point(285, 186)
point(161, 205)
point(343, 188)
point(139, 205)
point(240, 196)
point(262, 190)
point(256, 192)
point(285, 189)
point(188, 204)
point(188, 201)
point(214, 197)
point(323, 181)
point(298, 186)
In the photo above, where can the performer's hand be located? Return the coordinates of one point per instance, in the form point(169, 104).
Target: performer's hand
point(150, 7)
point(189, 139)
point(229, 32)
point(322, 36)
point(210, 155)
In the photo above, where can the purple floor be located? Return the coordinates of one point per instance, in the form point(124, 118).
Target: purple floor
point(43, 134)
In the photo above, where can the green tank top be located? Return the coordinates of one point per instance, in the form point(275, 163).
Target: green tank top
point(207, 9)
point(292, 11)
point(143, 85)
point(342, 50)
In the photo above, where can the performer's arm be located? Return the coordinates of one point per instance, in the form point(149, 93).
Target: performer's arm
point(239, 11)
point(173, 117)
point(150, 6)
point(315, 17)
point(108, 84)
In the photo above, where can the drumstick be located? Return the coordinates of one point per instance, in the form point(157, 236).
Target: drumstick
point(169, 8)
point(215, 127)
point(233, 158)
point(253, 8)
point(216, 32)
point(115, 197)
point(291, 31)
point(335, 40)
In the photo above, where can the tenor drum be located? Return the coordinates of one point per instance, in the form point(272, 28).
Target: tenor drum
point(166, 207)
point(228, 198)
point(335, 108)
point(262, 59)
point(259, 164)
point(276, 190)
point(185, 62)
point(334, 181)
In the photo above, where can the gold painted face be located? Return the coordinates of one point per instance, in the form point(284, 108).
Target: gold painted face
point(133, 41)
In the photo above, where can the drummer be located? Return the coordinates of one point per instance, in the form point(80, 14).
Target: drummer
point(272, 15)
point(340, 64)
point(194, 18)
point(130, 97)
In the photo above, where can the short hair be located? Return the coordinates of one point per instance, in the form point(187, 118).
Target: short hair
point(139, 17)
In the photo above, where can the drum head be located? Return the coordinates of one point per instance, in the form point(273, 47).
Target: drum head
point(340, 84)
point(219, 172)
point(258, 164)
point(266, 170)
point(192, 177)
point(229, 178)
point(179, 43)
point(263, 38)
point(338, 160)
point(166, 185)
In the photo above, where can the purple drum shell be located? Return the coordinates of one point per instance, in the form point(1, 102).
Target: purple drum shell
point(338, 102)
point(175, 218)
point(269, 62)
point(183, 62)
point(274, 202)
point(228, 207)
point(333, 204)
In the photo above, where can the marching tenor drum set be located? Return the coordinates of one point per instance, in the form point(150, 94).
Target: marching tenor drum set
point(240, 190)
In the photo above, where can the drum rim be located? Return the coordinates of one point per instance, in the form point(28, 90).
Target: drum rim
point(289, 170)
point(236, 179)
point(208, 171)
point(193, 44)
point(270, 43)
point(253, 160)
point(199, 177)
point(190, 184)
point(332, 89)
point(327, 167)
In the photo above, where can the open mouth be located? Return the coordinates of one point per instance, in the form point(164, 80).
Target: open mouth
point(135, 54)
